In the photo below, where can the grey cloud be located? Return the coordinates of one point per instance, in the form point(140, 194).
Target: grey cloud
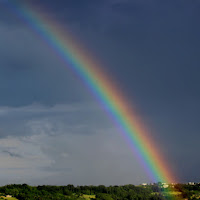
point(12, 154)
point(56, 169)
point(56, 120)
point(68, 155)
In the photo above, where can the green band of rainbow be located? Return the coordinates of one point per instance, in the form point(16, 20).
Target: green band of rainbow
point(102, 87)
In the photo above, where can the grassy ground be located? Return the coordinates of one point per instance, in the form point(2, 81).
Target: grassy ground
point(9, 198)
point(83, 197)
point(173, 193)
point(88, 197)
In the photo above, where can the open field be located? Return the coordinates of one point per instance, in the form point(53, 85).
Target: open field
point(172, 193)
point(88, 197)
point(8, 198)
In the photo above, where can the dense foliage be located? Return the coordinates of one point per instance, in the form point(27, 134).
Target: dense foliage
point(101, 192)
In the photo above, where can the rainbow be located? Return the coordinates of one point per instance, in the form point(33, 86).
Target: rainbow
point(102, 88)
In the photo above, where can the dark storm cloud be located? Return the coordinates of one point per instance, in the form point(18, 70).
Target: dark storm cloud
point(150, 48)
point(29, 75)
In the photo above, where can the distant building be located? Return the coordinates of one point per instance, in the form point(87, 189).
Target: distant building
point(8, 196)
point(144, 184)
point(172, 185)
point(165, 185)
point(191, 183)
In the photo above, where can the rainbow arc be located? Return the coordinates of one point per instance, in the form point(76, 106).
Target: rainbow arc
point(101, 87)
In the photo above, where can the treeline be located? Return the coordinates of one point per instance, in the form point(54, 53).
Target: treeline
point(188, 191)
point(101, 192)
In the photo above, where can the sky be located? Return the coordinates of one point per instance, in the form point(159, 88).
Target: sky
point(52, 130)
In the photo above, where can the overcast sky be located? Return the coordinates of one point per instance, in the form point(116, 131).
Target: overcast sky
point(52, 131)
